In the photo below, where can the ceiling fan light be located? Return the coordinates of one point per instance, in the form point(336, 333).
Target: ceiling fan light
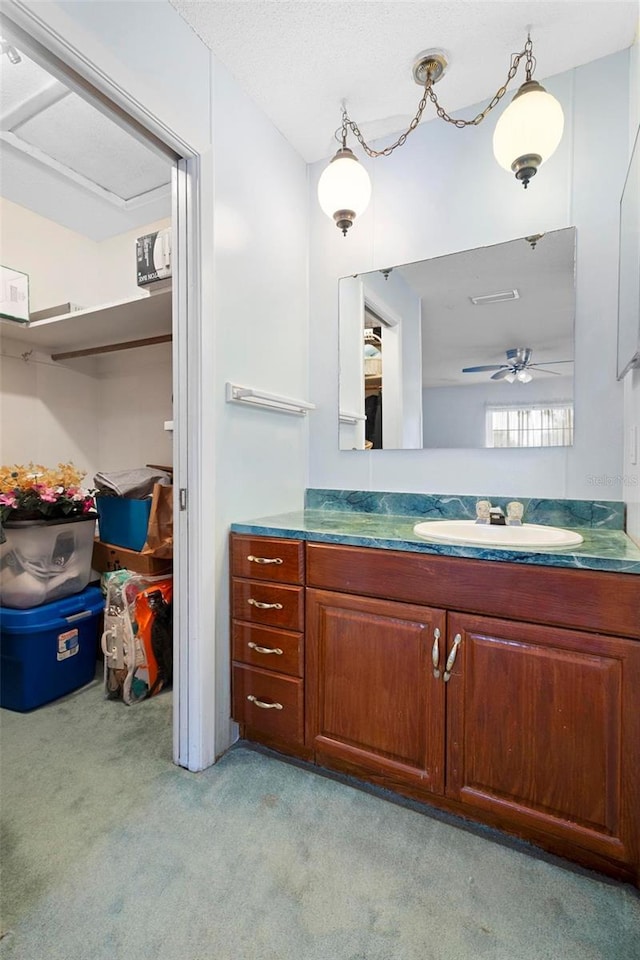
point(529, 131)
point(344, 189)
point(524, 376)
point(509, 377)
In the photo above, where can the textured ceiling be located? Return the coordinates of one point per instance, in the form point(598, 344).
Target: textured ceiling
point(65, 160)
point(298, 59)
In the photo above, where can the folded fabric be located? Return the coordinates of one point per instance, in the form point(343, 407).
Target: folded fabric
point(135, 484)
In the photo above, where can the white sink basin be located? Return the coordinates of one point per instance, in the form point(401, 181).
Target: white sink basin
point(492, 535)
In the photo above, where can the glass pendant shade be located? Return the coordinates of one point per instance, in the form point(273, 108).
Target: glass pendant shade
point(344, 189)
point(524, 376)
point(528, 131)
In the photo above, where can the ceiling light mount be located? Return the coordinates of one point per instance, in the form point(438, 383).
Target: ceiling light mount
point(430, 64)
point(526, 135)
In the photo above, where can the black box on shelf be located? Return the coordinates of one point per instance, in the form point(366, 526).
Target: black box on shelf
point(153, 257)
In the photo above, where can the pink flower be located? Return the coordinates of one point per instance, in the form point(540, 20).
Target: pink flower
point(8, 500)
point(48, 494)
point(87, 505)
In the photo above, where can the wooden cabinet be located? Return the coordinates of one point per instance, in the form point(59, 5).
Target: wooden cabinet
point(543, 732)
point(504, 693)
point(372, 700)
point(267, 604)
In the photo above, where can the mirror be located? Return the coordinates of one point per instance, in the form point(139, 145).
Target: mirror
point(629, 269)
point(470, 350)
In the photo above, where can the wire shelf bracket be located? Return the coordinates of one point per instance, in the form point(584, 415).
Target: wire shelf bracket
point(269, 401)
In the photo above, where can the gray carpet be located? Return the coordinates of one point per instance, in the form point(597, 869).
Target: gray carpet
point(112, 853)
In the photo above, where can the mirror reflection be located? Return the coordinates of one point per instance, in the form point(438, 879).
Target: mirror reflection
point(474, 349)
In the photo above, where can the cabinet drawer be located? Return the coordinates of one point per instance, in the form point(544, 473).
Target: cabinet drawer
point(273, 604)
point(268, 702)
point(268, 648)
point(593, 600)
point(267, 558)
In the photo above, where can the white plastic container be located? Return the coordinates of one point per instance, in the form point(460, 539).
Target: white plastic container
point(45, 560)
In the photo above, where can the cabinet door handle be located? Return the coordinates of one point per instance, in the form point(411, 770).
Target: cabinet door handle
point(263, 705)
point(253, 559)
point(451, 659)
point(435, 653)
point(264, 606)
point(254, 646)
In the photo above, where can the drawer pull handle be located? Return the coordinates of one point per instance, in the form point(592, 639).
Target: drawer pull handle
point(435, 653)
point(263, 705)
point(254, 646)
point(451, 659)
point(264, 606)
point(253, 559)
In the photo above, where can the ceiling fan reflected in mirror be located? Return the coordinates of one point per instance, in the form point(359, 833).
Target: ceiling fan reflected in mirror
point(518, 366)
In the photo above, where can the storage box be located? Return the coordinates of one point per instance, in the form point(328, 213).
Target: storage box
point(153, 257)
point(108, 557)
point(48, 651)
point(45, 560)
point(124, 522)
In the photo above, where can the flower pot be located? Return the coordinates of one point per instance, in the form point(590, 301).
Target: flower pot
point(45, 559)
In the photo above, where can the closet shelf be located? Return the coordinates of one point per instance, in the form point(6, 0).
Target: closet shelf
point(114, 326)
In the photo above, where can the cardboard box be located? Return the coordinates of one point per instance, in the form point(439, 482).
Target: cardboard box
point(108, 556)
point(153, 257)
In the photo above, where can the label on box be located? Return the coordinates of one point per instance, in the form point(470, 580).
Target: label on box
point(68, 644)
point(153, 256)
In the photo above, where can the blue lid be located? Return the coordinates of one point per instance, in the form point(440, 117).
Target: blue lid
point(49, 615)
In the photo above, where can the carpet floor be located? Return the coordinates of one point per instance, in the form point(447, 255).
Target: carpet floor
point(109, 852)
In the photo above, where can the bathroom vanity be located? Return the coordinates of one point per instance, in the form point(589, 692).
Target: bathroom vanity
point(505, 690)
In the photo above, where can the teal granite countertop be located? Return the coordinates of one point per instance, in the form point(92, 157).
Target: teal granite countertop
point(343, 518)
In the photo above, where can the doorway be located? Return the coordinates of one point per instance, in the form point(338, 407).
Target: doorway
point(40, 118)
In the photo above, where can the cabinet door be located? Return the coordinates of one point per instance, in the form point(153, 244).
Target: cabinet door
point(543, 731)
point(374, 707)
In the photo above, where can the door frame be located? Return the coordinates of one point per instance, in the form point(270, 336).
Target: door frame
point(192, 745)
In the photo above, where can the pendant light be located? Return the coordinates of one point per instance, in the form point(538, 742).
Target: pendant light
point(344, 189)
point(529, 131)
point(526, 135)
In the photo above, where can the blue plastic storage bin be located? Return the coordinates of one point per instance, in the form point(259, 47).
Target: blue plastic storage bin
point(48, 651)
point(124, 522)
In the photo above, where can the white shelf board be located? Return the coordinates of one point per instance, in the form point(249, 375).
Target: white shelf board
point(117, 322)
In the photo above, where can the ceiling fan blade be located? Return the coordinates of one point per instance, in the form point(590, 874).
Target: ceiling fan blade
point(547, 363)
point(482, 369)
point(501, 374)
point(540, 367)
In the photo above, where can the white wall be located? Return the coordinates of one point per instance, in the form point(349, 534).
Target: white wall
point(106, 413)
point(65, 266)
point(631, 469)
point(456, 416)
point(48, 413)
point(444, 192)
point(261, 329)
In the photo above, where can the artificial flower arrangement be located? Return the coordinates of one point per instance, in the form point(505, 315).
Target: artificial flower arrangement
point(36, 492)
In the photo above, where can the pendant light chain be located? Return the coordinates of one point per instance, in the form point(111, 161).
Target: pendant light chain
point(348, 123)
